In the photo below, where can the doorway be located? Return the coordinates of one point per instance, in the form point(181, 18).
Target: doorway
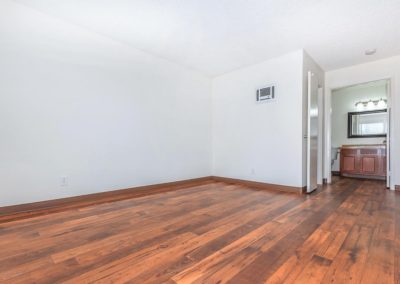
point(358, 131)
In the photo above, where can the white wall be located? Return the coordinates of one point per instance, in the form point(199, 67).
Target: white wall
point(260, 142)
point(343, 102)
point(107, 116)
point(76, 104)
point(383, 69)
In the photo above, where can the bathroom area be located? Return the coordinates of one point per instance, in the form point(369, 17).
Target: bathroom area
point(360, 127)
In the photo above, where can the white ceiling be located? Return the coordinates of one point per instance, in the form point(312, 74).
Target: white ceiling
point(217, 36)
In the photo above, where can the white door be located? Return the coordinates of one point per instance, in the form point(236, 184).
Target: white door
point(312, 133)
point(388, 136)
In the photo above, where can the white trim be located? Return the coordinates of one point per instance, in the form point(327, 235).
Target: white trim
point(388, 136)
point(309, 74)
point(328, 136)
point(320, 134)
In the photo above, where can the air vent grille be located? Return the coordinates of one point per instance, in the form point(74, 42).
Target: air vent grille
point(265, 94)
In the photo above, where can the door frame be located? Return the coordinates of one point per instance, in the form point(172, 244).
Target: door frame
point(328, 128)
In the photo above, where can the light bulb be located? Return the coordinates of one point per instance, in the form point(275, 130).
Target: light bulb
point(370, 105)
point(359, 106)
point(381, 103)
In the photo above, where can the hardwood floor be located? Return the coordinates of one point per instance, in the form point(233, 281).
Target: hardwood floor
point(348, 232)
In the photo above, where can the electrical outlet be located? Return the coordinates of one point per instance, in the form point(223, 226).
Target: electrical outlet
point(64, 181)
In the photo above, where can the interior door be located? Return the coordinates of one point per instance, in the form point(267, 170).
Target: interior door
point(388, 136)
point(312, 133)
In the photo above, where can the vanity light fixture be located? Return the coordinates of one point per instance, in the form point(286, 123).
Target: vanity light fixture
point(371, 104)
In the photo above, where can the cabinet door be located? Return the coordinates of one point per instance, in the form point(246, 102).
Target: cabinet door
point(349, 164)
point(382, 163)
point(369, 165)
point(349, 161)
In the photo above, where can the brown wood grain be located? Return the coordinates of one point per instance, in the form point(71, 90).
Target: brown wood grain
point(214, 232)
point(28, 210)
point(21, 211)
point(363, 161)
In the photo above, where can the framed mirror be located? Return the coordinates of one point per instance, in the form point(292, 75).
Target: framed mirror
point(366, 124)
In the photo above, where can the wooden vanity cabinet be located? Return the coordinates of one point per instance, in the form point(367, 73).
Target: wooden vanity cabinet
point(367, 161)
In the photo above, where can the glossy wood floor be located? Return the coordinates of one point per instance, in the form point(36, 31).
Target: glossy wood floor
point(216, 233)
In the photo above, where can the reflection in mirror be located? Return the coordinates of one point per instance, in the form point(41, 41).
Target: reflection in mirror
point(367, 124)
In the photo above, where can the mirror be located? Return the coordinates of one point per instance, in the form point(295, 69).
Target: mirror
point(367, 124)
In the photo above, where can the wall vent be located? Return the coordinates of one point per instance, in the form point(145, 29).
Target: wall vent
point(265, 94)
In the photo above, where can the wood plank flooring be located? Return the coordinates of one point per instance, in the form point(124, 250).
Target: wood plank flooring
point(348, 232)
